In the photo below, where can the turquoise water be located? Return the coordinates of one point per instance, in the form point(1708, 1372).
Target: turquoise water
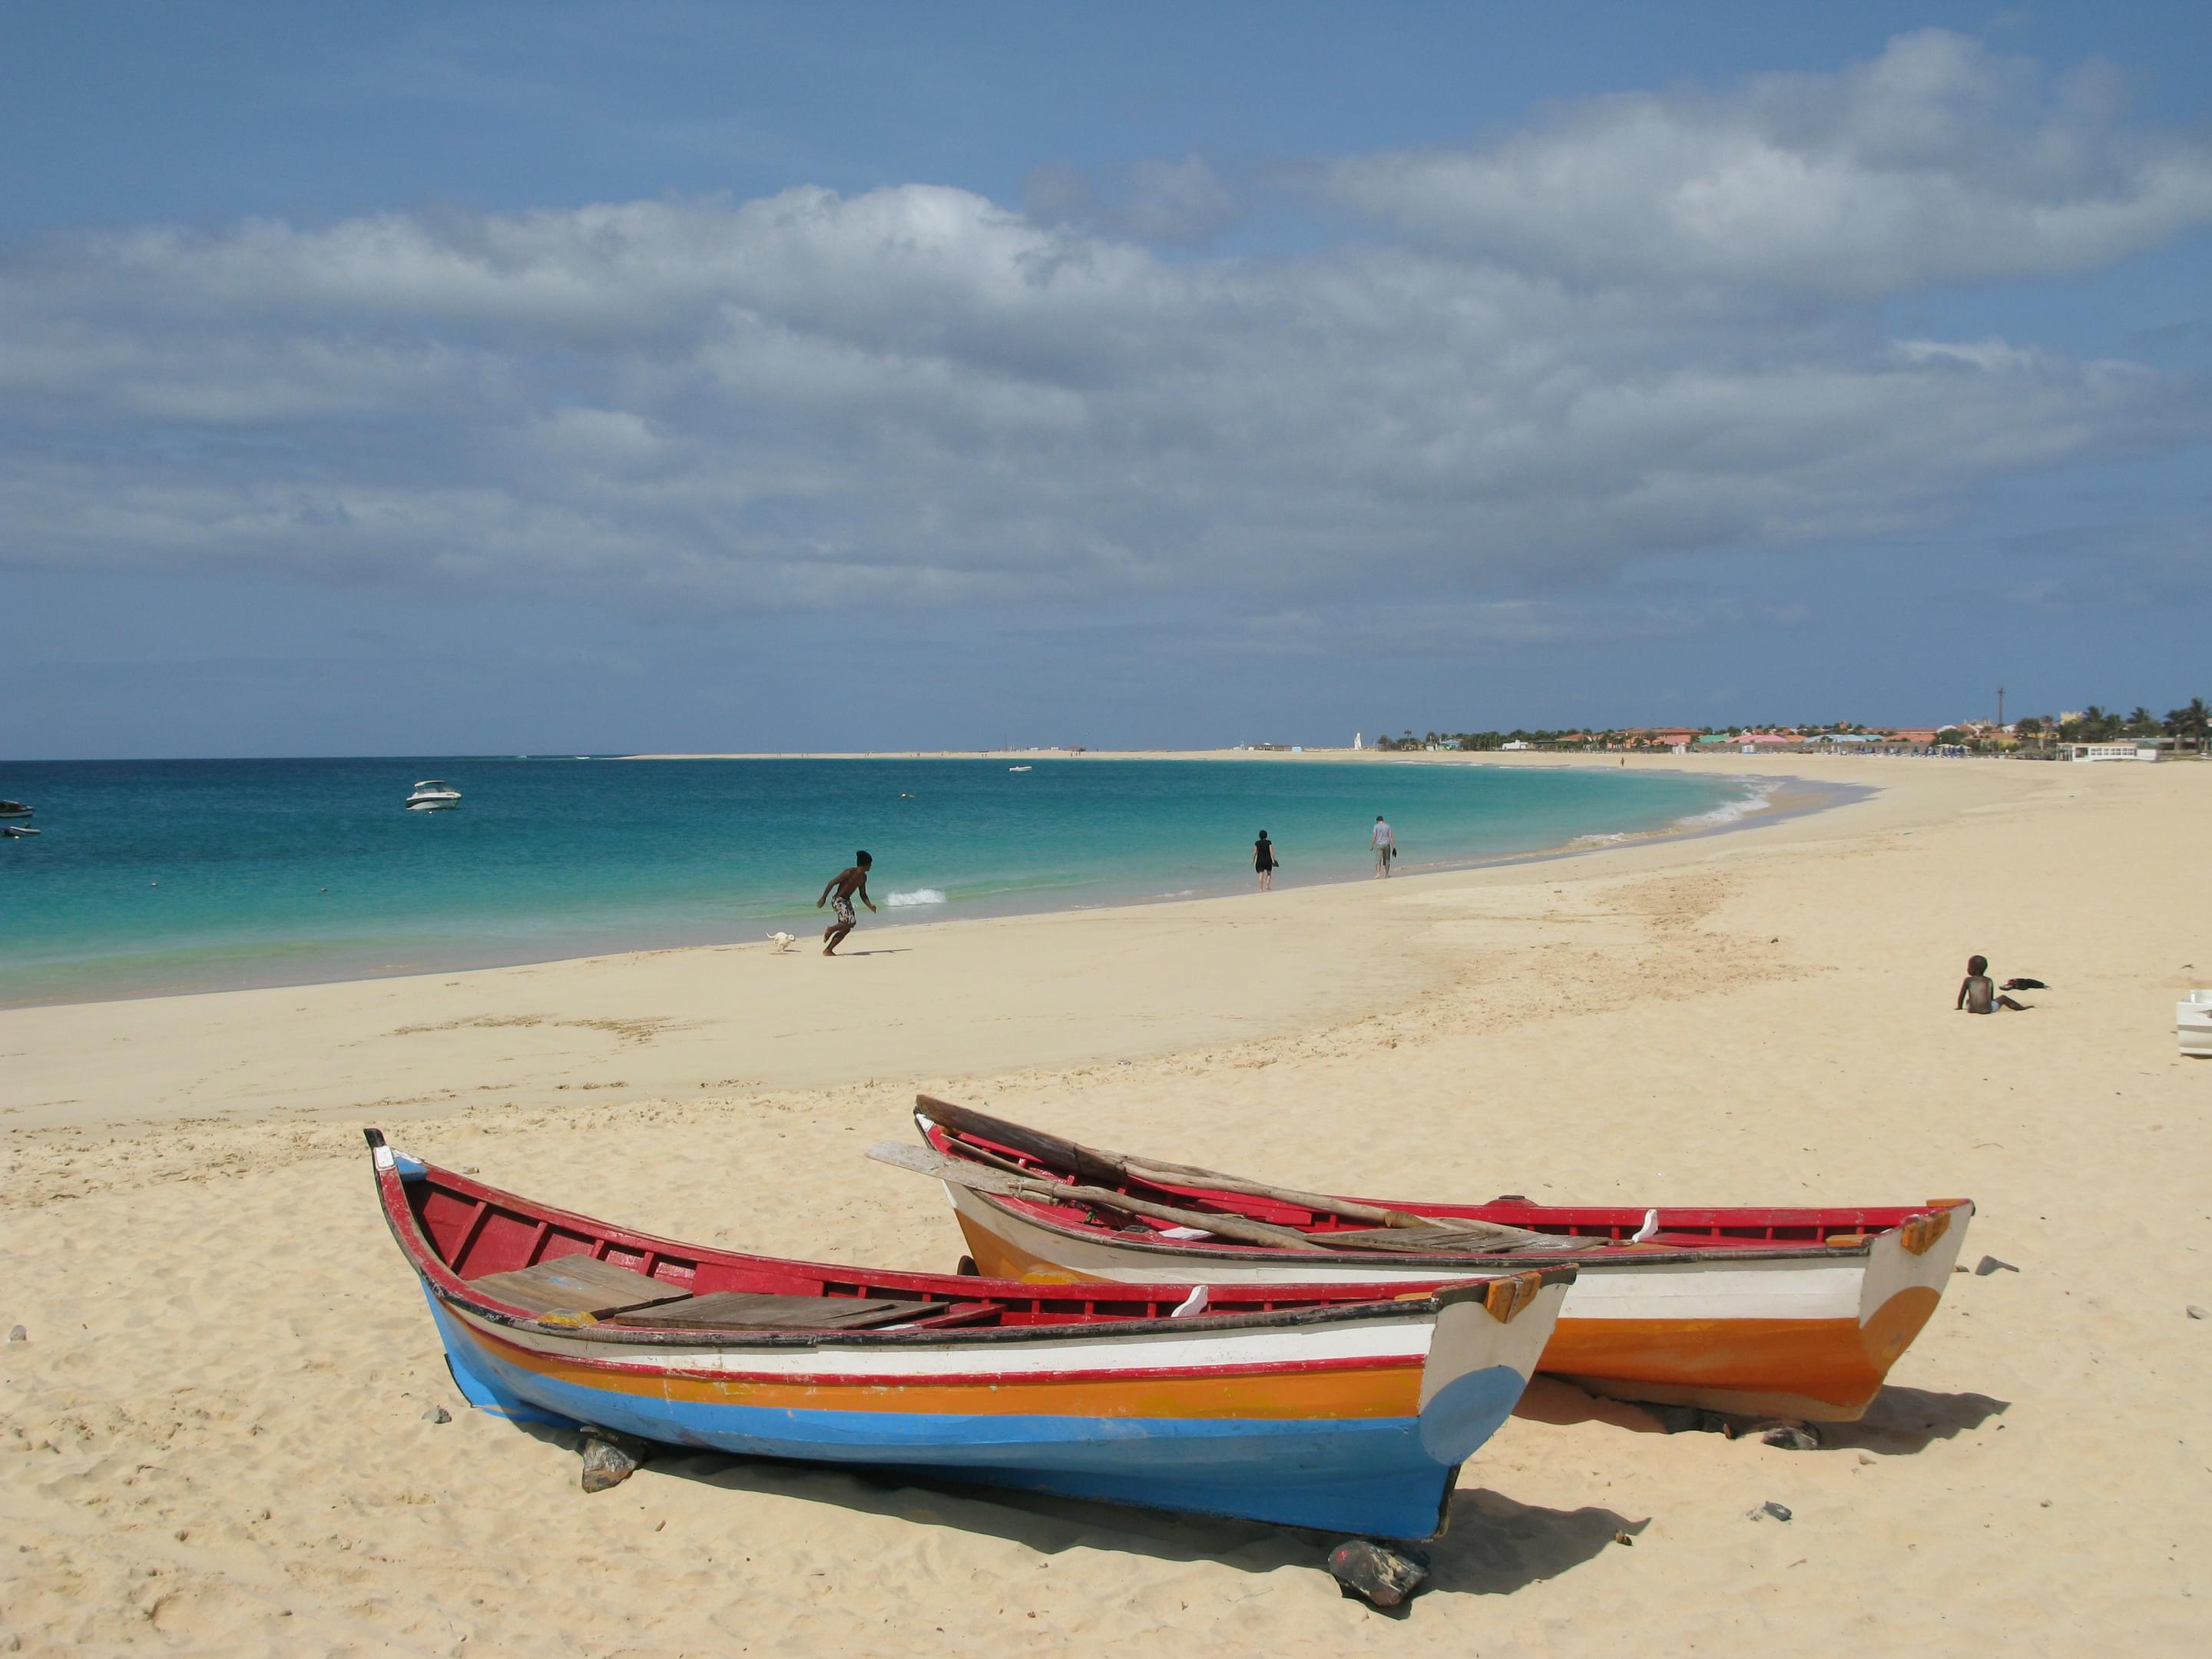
point(151, 877)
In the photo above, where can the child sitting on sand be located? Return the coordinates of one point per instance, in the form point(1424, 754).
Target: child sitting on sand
point(1977, 995)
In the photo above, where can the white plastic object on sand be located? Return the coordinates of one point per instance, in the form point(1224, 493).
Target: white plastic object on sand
point(2192, 1023)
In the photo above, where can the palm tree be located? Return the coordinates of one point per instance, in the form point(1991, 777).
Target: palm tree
point(2140, 724)
point(2188, 723)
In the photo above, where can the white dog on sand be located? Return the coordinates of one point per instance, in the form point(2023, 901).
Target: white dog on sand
point(783, 941)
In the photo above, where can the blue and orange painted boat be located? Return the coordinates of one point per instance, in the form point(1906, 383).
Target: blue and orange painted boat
point(1347, 1407)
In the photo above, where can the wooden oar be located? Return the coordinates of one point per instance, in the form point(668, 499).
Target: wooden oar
point(1000, 1183)
point(1052, 1148)
point(1461, 1238)
point(1189, 1175)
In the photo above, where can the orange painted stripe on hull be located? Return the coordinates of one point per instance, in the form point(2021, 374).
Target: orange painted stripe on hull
point(1835, 1363)
point(1374, 1391)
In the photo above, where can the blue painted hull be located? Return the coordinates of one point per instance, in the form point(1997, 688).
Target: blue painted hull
point(1388, 1477)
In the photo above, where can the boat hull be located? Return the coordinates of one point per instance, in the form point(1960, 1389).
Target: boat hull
point(1360, 1452)
point(1805, 1334)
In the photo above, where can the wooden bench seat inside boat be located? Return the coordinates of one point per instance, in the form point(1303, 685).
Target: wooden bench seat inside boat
point(578, 1285)
point(721, 1309)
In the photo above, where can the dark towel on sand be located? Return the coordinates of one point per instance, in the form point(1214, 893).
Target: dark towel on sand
point(2023, 985)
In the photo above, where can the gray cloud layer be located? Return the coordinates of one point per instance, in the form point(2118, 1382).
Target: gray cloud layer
point(1633, 332)
point(1939, 161)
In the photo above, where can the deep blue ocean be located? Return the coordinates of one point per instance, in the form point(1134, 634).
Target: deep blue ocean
point(151, 877)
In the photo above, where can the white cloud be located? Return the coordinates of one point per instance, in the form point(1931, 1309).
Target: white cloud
point(1939, 161)
point(916, 397)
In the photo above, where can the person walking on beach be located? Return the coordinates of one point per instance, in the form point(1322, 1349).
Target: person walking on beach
point(1385, 846)
point(846, 883)
point(1264, 861)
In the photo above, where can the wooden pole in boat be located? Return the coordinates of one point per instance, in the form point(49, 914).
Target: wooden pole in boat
point(1000, 1183)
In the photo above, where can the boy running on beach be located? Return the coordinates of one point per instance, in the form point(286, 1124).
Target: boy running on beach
point(848, 882)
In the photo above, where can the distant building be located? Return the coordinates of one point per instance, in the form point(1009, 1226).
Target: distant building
point(2127, 749)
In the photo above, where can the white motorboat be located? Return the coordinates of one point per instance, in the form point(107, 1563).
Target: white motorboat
point(433, 795)
point(14, 809)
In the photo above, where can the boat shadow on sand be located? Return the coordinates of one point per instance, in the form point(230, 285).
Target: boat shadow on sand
point(1900, 1422)
point(1493, 1546)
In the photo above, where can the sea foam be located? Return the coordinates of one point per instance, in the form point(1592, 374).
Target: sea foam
point(919, 895)
point(1729, 811)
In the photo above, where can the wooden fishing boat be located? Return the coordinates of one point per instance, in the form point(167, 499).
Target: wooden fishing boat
point(1795, 1312)
point(1342, 1406)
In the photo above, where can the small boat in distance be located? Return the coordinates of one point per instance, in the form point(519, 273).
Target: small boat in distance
point(16, 831)
point(14, 809)
point(1347, 1408)
point(432, 795)
point(1772, 1311)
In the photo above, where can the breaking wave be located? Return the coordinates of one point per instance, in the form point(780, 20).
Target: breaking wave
point(919, 895)
point(1729, 811)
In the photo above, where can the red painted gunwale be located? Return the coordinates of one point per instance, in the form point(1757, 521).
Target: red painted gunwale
point(453, 1228)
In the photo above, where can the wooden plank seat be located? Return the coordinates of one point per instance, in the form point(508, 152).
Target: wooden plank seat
point(724, 1309)
point(578, 1285)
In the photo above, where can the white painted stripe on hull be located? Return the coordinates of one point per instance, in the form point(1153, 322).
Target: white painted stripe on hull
point(1405, 1341)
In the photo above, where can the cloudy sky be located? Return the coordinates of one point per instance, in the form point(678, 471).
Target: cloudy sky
point(467, 378)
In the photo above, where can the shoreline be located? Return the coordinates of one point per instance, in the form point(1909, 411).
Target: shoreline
point(1300, 954)
point(1787, 797)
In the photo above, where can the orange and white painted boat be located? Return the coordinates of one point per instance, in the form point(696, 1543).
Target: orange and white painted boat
point(1775, 1311)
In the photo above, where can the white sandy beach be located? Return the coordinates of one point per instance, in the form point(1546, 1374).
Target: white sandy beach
point(216, 1439)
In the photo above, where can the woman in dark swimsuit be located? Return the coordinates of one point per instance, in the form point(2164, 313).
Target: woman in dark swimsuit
point(1264, 861)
